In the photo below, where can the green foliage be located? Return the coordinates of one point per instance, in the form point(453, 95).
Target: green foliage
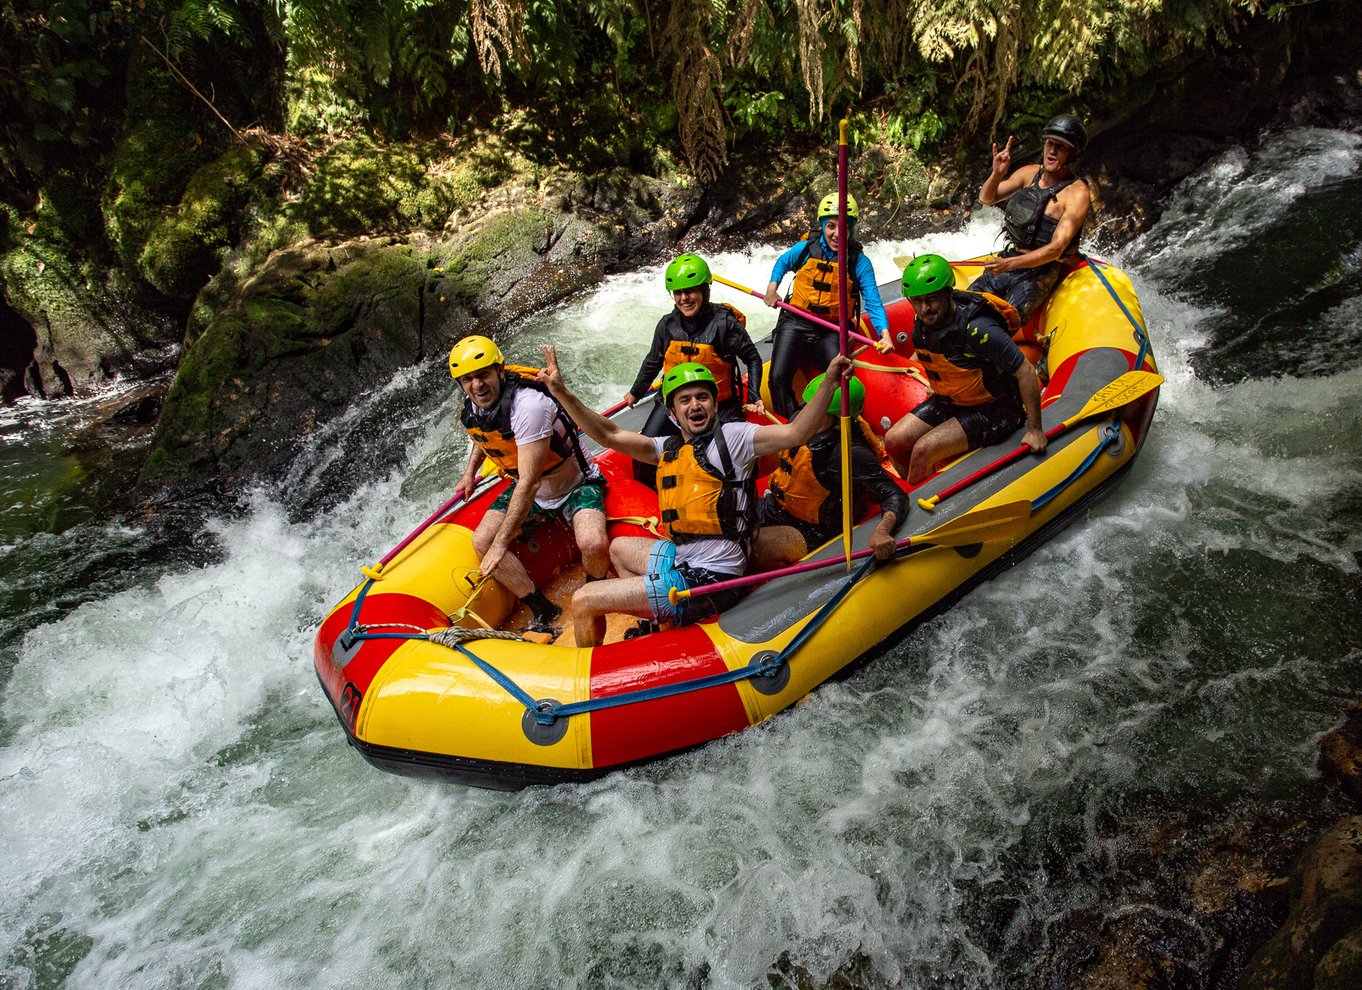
point(360, 186)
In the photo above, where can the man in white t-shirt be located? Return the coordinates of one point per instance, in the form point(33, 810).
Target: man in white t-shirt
point(706, 494)
point(514, 422)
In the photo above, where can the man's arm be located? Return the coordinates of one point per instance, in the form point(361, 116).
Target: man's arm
point(469, 480)
point(604, 431)
point(871, 480)
point(530, 466)
point(1077, 202)
point(999, 185)
point(781, 436)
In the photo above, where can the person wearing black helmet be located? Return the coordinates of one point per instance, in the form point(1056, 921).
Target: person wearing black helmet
point(1046, 206)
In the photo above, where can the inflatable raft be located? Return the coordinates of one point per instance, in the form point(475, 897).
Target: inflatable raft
point(424, 682)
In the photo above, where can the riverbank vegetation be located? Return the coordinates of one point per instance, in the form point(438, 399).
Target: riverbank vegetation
point(581, 83)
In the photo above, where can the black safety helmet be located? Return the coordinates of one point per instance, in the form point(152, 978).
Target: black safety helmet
point(1068, 130)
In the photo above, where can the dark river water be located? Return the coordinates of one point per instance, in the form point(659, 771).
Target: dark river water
point(179, 808)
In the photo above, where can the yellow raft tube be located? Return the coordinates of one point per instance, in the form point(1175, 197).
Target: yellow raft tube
point(418, 690)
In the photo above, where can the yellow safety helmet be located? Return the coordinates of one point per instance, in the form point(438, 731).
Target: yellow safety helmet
point(828, 207)
point(473, 354)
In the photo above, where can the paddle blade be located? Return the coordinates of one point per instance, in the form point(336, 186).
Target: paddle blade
point(997, 522)
point(1122, 391)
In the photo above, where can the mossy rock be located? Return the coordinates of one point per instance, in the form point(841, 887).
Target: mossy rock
point(90, 320)
point(157, 153)
point(361, 187)
point(183, 248)
point(312, 328)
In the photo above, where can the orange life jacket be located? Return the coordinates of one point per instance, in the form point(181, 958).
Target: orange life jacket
point(956, 373)
point(702, 349)
point(699, 500)
point(795, 486)
point(815, 281)
point(493, 433)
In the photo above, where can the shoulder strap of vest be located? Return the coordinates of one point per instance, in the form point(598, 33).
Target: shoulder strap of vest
point(1004, 309)
point(1052, 192)
point(738, 314)
point(516, 377)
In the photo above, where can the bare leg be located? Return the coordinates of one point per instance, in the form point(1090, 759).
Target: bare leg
point(510, 573)
point(592, 602)
point(588, 528)
point(901, 438)
point(778, 546)
point(942, 443)
point(629, 554)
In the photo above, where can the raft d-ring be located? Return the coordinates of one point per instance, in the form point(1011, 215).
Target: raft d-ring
point(774, 682)
point(543, 733)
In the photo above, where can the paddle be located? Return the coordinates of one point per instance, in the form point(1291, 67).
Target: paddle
point(826, 324)
point(844, 330)
point(988, 525)
point(1120, 392)
point(901, 260)
point(376, 572)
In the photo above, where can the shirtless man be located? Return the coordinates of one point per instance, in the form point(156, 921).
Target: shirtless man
point(1046, 208)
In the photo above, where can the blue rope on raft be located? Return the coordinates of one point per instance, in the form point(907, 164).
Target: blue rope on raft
point(1141, 337)
point(1109, 433)
point(547, 714)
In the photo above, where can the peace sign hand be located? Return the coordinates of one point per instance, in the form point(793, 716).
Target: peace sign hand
point(549, 376)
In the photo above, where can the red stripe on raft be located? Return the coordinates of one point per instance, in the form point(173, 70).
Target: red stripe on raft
point(649, 728)
point(378, 608)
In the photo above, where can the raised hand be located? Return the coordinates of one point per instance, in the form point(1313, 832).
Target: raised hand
point(1002, 160)
point(549, 376)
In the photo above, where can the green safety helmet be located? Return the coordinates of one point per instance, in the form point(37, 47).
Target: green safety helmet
point(686, 374)
point(855, 397)
point(925, 274)
point(686, 272)
point(473, 354)
point(830, 202)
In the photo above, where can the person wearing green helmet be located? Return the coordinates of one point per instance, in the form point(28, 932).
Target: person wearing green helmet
point(699, 331)
point(983, 389)
point(706, 497)
point(513, 422)
point(1045, 208)
point(814, 262)
point(802, 507)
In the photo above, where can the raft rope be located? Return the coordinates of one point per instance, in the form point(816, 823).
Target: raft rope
point(1112, 431)
point(547, 713)
point(1141, 336)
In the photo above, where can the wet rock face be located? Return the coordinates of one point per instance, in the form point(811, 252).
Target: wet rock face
point(1320, 945)
point(1340, 755)
point(277, 352)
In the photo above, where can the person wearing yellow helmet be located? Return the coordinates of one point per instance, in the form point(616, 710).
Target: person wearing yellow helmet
point(706, 497)
point(699, 331)
point(802, 507)
point(513, 422)
point(814, 289)
point(1045, 207)
point(983, 389)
